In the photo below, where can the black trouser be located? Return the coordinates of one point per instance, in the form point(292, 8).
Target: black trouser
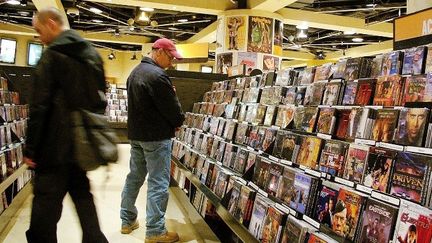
point(50, 187)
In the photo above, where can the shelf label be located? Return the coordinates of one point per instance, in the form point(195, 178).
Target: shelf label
point(344, 182)
point(374, 106)
point(324, 136)
point(364, 189)
point(364, 141)
point(323, 175)
point(391, 146)
point(418, 150)
point(313, 172)
point(303, 167)
point(283, 208)
point(275, 127)
point(385, 198)
point(260, 152)
point(250, 148)
point(323, 106)
point(273, 158)
point(285, 162)
point(311, 221)
point(265, 194)
point(255, 187)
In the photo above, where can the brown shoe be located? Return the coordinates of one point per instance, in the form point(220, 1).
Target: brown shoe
point(127, 229)
point(167, 237)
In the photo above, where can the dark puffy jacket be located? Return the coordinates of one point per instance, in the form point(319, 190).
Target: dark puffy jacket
point(69, 75)
point(153, 107)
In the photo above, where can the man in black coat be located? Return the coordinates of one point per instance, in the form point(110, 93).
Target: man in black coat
point(154, 113)
point(68, 76)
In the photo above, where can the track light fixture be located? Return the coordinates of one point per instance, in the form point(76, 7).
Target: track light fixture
point(111, 56)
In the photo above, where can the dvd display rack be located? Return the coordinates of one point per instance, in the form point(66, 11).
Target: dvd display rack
point(13, 172)
point(338, 153)
point(117, 107)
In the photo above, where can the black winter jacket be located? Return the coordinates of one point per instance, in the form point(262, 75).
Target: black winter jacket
point(153, 107)
point(68, 76)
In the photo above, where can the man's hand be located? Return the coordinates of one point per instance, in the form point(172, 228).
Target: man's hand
point(30, 162)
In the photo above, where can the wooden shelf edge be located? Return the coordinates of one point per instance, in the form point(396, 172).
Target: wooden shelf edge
point(232, 222)
point(7, 217)
point(10, 179)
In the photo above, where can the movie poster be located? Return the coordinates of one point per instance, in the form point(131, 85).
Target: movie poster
point(278, 38)
point(224, 61)
point(235, 34)
point(249, 59)
point(270, 63)
point(260, 34)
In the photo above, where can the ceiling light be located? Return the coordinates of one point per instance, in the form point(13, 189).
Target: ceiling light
point(96, 10)
point(174, 7)
point(302, 33)
point(117, 32)
point(97, 21)
point(172, 28)
point(111, 56)
point(357, 39)
point(183, 20)
point(144, 17)
point(23, 13)
point(303, 26)
point(134, 56)
point(147, 9)
point(349, 32)
point(371, 5)
point(131, 28)
point(13, 2)
point(23, 2)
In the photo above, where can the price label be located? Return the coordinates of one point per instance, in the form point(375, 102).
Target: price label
point(255, 187)
point(273, 158)
point(283, 208)
point(385, 198)
point(364, 189)
point(364, 141)
point(313, 172)
point(419, 150)
point(265, 194)
point(324, 136)
point(391, 146)
point(285, 162)
point(311, 221)
point(344, 182)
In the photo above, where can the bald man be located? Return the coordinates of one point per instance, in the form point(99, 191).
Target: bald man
point(68, 76)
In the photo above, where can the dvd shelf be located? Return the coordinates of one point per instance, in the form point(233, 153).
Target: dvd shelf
point(13, 172)
point(117, 107)
point(337, 152)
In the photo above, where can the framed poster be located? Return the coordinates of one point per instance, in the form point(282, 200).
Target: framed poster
point(7, 50)
point(34, 53)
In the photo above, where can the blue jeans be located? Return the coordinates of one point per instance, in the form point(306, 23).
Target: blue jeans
point(153, 158)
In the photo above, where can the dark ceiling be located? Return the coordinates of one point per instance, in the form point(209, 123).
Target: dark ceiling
point(117, 20)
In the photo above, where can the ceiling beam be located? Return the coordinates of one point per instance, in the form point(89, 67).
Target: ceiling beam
point(297, 55)
point(202, 6)
point(41, 4)
point(295, 63)
point(362, 51)
point(334, 22)
point(269, 5)
point(16, 29)
point(208, 34)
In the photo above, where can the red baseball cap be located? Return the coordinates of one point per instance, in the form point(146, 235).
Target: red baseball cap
point(168, 45)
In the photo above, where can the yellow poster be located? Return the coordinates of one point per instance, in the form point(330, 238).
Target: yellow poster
point(235, 34)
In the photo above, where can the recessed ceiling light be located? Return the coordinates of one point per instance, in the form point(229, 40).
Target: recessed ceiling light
point(13, 2)
point(357, 39)
point(172, 28)
point(147, 9)
point(182, 20)
point(97, 21)
point(96, 10)
point(349, 32)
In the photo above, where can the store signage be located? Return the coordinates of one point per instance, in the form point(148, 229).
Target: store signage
point(413, 30)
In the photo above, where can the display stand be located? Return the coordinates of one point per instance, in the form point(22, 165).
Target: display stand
point(237, 228)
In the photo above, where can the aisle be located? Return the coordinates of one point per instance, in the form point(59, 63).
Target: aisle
point(107, 199)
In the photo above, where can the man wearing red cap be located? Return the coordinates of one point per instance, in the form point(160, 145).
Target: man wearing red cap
point(153, 115)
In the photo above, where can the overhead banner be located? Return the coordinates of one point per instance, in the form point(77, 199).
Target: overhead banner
point(413, 30)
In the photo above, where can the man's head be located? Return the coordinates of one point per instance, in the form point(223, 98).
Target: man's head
point(339, 218)
point(49, 23)
point(164, 52)
point(416, 119)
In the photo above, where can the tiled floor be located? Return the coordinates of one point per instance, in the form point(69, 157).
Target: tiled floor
point(180, 218)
